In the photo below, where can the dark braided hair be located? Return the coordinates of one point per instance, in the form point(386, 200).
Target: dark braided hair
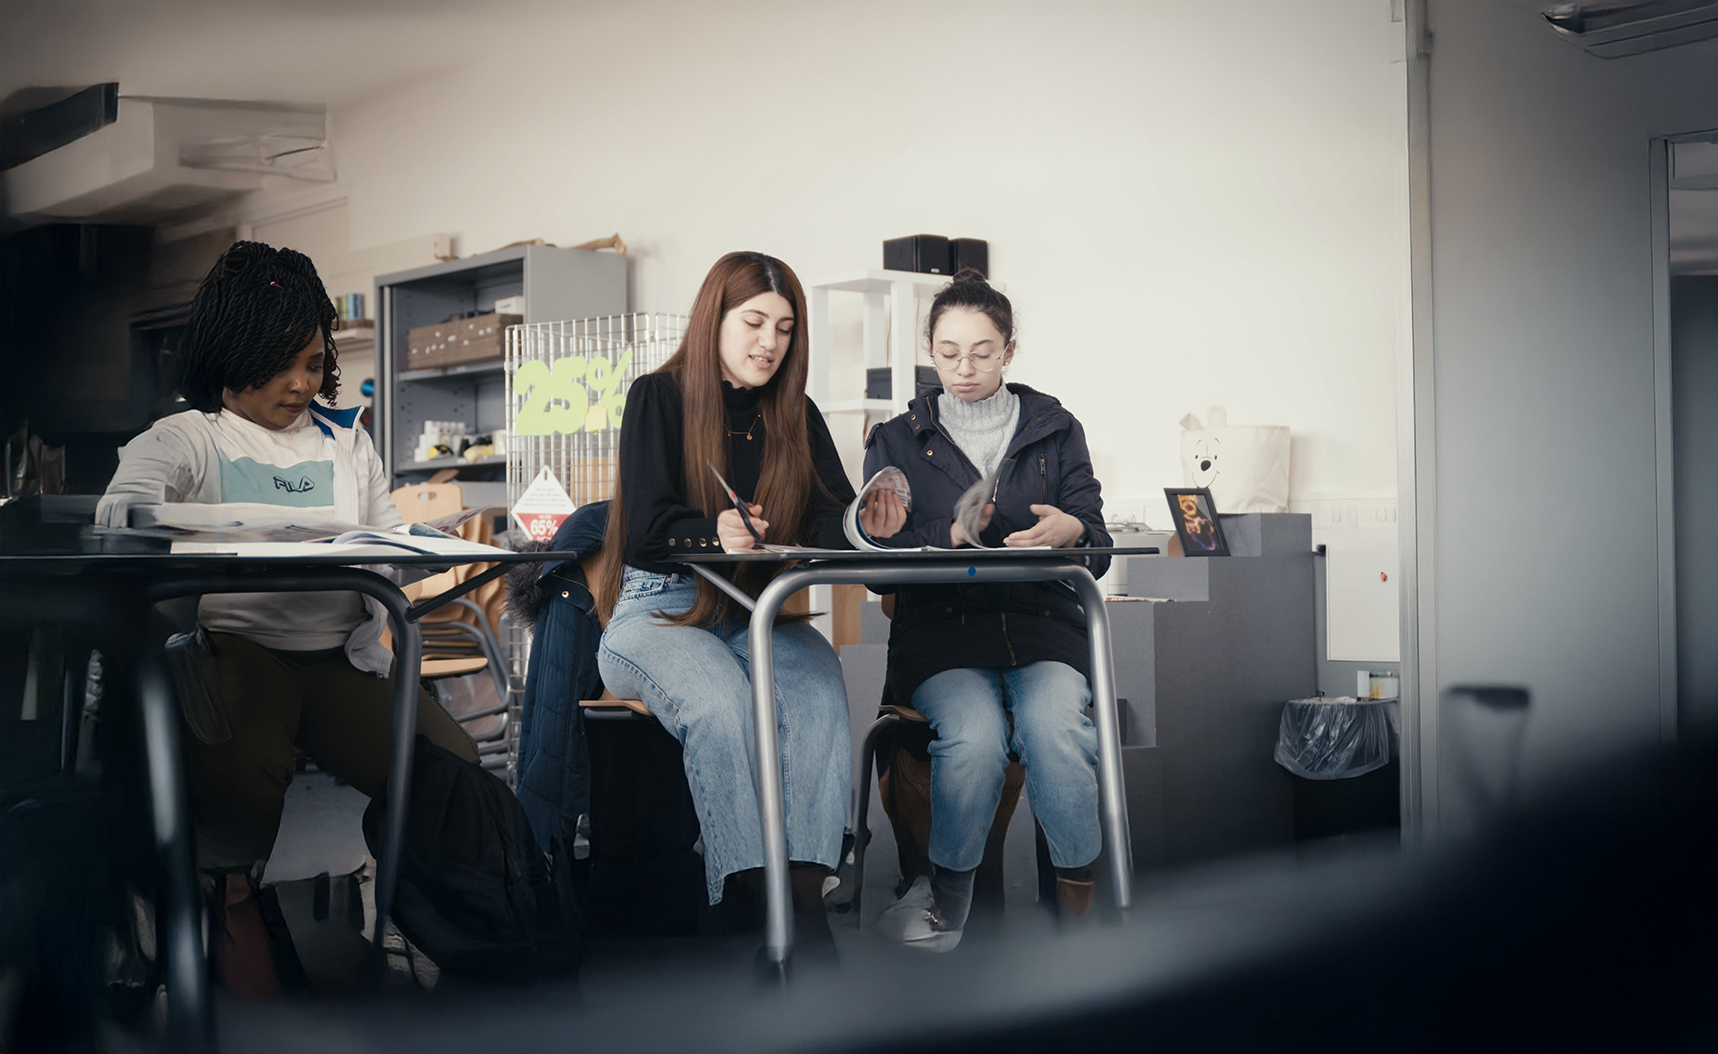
point(255, 311)
point(968, 289)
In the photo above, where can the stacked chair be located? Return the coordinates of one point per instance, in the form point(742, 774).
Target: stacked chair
point(462, 638)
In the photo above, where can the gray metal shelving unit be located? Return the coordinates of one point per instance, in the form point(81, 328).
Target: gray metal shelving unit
point(557, 284)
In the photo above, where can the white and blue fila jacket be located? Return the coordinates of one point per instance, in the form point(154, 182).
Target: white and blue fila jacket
point(324, 462)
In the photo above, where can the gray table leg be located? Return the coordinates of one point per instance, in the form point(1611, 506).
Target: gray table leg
point(778, 917)
point(190, 1015)
point(408, 659)
point(1111, 786)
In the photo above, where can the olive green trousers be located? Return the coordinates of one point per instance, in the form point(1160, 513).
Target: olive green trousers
point(274, 702)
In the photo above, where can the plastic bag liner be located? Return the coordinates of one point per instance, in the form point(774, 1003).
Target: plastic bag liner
point(1335, 738)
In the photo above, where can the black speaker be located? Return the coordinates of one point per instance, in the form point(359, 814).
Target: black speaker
point(924, 253)
point(969, 252)
point(880, 382)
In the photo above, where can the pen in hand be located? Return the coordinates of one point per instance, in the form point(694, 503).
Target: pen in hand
point(745, 513)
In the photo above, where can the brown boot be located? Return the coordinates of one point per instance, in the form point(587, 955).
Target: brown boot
point(238, 940)
point(1074, 890)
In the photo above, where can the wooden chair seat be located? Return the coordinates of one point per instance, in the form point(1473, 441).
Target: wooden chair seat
point(435, 669)
point(608, 702)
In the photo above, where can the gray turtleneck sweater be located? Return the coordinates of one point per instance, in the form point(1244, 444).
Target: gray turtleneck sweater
point(982, 429)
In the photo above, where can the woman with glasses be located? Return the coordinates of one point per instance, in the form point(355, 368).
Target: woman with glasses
point(995, 667)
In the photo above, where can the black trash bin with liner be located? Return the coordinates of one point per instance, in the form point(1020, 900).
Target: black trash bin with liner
point(1341, 754)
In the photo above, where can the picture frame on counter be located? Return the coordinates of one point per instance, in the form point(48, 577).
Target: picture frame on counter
point(1198, 528)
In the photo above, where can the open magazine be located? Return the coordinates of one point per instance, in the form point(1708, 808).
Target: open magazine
point(968, 512)
point(257, 529)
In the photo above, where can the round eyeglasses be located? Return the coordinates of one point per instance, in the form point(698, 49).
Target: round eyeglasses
point(982, 361)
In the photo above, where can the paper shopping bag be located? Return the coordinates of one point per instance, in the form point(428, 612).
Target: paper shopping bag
point(1245, 467)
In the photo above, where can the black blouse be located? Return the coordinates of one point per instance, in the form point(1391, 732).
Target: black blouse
point(653, 471)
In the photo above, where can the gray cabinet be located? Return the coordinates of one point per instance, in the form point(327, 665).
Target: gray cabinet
point(557, 284)
point(1206, 668)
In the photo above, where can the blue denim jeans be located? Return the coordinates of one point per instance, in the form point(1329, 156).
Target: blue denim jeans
point(697, 684)
point(1055, 742)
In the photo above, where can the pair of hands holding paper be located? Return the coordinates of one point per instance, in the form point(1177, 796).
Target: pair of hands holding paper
point(883, 516)
point(1054, 528)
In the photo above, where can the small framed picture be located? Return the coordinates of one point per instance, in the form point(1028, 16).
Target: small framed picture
point(1196, 523)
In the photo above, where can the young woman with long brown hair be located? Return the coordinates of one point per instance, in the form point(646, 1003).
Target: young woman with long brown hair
point(733, 395)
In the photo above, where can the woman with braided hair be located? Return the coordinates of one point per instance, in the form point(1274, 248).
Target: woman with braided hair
point(304, 670)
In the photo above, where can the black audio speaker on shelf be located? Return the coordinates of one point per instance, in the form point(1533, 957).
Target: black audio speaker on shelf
point(879, 383)
point(924, 253)
point(969, 252)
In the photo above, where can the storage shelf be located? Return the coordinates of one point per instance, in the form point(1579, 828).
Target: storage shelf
point(852, 406)
point(436, 373)
point(875, 281)
point(556, 284)
point(451, 462)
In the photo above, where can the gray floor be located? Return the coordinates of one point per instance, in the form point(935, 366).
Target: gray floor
point(321, 832)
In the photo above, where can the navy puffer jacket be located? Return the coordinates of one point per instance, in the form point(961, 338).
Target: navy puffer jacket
point(947, 627)
point(554, 781)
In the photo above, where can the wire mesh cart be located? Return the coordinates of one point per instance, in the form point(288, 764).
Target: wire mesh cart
point(566, 385)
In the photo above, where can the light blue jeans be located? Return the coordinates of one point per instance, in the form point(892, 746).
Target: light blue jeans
point(697, 684)
point(1055, 742)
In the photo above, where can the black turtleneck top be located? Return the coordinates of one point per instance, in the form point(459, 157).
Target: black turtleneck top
point(659, 522)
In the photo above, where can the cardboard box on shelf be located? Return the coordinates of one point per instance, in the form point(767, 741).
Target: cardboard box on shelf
point(482, 338)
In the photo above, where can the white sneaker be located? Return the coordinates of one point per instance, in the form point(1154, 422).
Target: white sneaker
point(925, 934)
point(913, 903)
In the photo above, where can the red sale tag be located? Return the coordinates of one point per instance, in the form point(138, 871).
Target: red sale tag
point(545, 503)
point(541, 526)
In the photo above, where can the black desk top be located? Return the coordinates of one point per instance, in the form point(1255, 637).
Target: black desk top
point(77, 548)
point(963, 555)
point(54, 534)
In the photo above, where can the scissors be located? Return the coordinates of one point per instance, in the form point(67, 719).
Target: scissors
point(745, 513)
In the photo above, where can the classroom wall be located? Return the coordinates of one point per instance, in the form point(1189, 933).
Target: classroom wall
point(1544, 541)
point(1189, 204)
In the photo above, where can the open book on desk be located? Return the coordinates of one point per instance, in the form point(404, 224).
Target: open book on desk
point(255, 529)
point(968, 512)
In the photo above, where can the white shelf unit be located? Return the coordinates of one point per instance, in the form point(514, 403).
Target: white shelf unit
point(889, 295)
point(891, 338)
point(891, 335)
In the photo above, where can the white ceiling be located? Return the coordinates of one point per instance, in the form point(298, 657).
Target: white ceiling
point(336, 52)
point(313, 51)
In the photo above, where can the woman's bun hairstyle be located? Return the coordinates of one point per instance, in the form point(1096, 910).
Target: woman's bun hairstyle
point(970, 289)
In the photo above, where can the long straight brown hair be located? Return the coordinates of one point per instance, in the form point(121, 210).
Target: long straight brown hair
point(788, 476)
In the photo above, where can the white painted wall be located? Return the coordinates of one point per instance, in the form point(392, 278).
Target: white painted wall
point(1545, 554)
point(1189, 203)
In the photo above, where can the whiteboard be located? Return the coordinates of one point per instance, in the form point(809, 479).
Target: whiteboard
point(1362, 604)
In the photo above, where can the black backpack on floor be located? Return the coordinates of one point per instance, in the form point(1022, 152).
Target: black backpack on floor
point(476, 893)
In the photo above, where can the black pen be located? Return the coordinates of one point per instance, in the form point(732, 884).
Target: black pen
point(745, 513)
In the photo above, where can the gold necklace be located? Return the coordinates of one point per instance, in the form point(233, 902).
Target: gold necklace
point(748, 432)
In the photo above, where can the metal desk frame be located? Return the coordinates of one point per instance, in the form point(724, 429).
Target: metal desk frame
point(911, 567)
point(139, 578)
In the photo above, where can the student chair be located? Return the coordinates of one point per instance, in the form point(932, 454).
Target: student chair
point(644, 877)
point(904, 784)
point(463, 637)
